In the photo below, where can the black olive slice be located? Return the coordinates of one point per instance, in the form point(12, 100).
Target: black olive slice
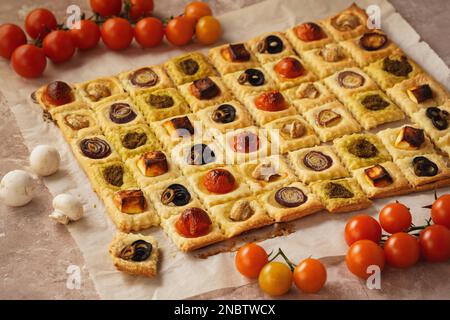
point(95, 148)
point(133, 140)
point(350, 79)
point(363, 148)
point(201, 154)
point(439, 123)
point(176, 194)
point(254, 76)
point(189, 66)
point(121, 113)
point(224, 113)
point(423, 167)
point(317, 161)
point(336, 190)
point(144, 78)
point(372, 41)
point(139, 250)
point(290, 197)
point(433, 112)
point(273, 44)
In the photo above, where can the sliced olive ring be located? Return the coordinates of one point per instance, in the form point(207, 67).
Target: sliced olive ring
point(272, 44)
point(433, 112)
point(95, 148)
point(350, 80)
point(139, 250)
point(439, 118)
point(144, 78)
point(176, 194)
point(253, 76)
point(225, 113)
point(201, 154)
point(317, 161)
point(290, 197)
point(372, 41)
point(423, 167)
point(121, 113)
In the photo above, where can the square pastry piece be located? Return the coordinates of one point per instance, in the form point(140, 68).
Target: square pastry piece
point(391, 70)
point(327, 60)
point(234, 57)
point(160, 104)
point(109, 177)
point(291, 202)
point(146, 78)
point(205, 92)
point(118, 113)
point(331, 121)
point(318, 163)
point(405, 141)
point(270, 46)
point(249, 81)
point(73, 123)
point(236, 217)
point(57, 95)
point(289, 72)
point(382, 180)
point(192, 229)
point(370, 46)
point(291, 133)
point(361, 150)
point(373, 108)
point(425, 172)
point(188, 67)
point(100, 89)
point(435, 121)
point(419, 92)
point(309, 95)
point(266, 174)
point(307, 36)
point(135, 254)
point(343, 195)
point(347, 24)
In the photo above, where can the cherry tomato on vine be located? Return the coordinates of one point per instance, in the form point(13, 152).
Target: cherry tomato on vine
point(275, 278)
point(39, 23)
point(435, 243)
point(440, 211)
point(363, 254)
point(87, 36)
point(402, 250)
point(149, 32)
point(208, 30)
point(117, 33)
point(106, 8)
point(395, 217)
point(11, 37)
point(197, 9)
point(310, 275)
point(180, 30)
point(250, 259)
point(140, 8)
point(58, 46)
point(29, 61)
point(362, 227)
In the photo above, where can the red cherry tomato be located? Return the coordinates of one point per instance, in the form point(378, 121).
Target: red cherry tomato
point(271, 101)
point(140, 8)
point(310, 275)
point(39, 23)
point(87, 36)
point(402, 250)
point(117, 33)
point(180, 30)
point(440, 211)
point(149, 32)
point(193, 223)
point(435, 243)
point(250, 259)
point(11, 37)
point(28, 61)
point(289, 68)
point(362, 227)
point(219, 181)
point(58, 46)
point(363, 254)
point(106, 8)
point(395, 217)
point(197, 10)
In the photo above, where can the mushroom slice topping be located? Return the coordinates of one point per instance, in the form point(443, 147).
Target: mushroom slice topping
point(95, 148)
point(307, 91)
point(201, 154)
point(133, 140)
point(410, 138)
point(350, 80)
point(204, 89)
point(328, 118)
point(378, 176)
point(189, 66)
point(372, 41)
point(295, 129)
point(76, 121)
point(332, 53)
point(130, 201)
point(179, 127)
point(97, 91)
point(176, 194)
point(424, 167)
point(290, 197)
point(335, 190)
point(419, 94)
point(345, 22)
point(153, 164)
point(363, 148)
point(317, 161)
point(265, 171)
point(144, 78)
point(114, 175)
point(225, 113)
point(241, 211)
point(139, 250)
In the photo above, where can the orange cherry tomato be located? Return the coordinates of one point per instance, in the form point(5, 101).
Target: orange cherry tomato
point(11, 37)
point(180, 30)
point(39, 23)
point(87, 36)
point(440, 211)
point(245, 142)
point(193, 223)
point(219, 181)
point(58, 46)
point(362, 227)
point(310, 275)
point(289, 68)
point(197, 9)
point(28, 61)
point(250, 259)
point(395, 217)
point(435, 243)
point(402, 250)
point(117, 33)
point(208, 30)
point(140, 8)
point(275, 278)
point(309, 31)
point(149, 32)
point(271, 101)
point(106, 8)
point(363, 254)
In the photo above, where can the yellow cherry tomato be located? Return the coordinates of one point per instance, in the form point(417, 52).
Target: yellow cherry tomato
point(197, 9)
point(275, 278)
point(208, 30)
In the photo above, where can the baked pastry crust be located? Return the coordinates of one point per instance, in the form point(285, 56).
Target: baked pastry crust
point(300, 45)
point(340, 35)
point(337, 205)
point(162, 83)
point(53, 109)
point(421, 119)
point(224, 66)
point(101, 186)
point(83, 114)
point(147, 268)
point(261, 116)
point(266, 57)
point(305, 104)
point(282, 214)
point(103, 115)
point(112, 83)
point(179, 77)
point(399, 185)
point(307, 175)
point(242, 90)
point(323, 68)
point(346, 125)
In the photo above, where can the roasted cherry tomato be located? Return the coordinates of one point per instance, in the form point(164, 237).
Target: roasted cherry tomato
point(197, 9)
point(180, 30)
point(395, 217)
point(245, 142)
point(117, 33)
point(58, 46)
point(208, 30)
point(363, 254)
point(219, 181)
point(149, 32)
point(440, 211)
point(402, 250)
point(310, 275)
point(250, 259)
point(11, 37)
point(106, 8)
point(309, 31)
point(29, 61)
point(140, 8)
point(289, 68)
point(362, 227)
point(271, 101)
point(193, 223)
point(39, 23)
point(275, 278)
point(87, 36)
point(435, 243)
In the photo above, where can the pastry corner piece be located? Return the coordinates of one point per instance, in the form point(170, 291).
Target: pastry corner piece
point(135, 254)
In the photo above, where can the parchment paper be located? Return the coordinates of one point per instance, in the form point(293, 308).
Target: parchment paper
point(185, 275)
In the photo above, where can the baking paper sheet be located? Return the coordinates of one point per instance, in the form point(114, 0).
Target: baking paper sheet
point(185, 275)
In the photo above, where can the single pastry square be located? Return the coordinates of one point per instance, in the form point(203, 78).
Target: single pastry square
point(444, 144)
point(419, 92)
point(225, 116)
point(291, 202)
point(342, 195)
point(101, 89)
point(160, 104)
point(300, 75)
point(434, 121)
point(309, 95)
point(382, 180)
point(205, 92)
point(317, 163)
point(327, 60)
point(307, 36)
point(126, 257)
point(396, 141)
point(233, 57)
point(361, 150)
point(57, 95)
point(249, 81)
point(426, 171)
point(74, 123)
point(331, 121)
point(188, 67)
point(267, 173)
point(239, 189)
point(270, 46)
point(291, 133)
point(392, 69)
point(373, 108)
point(144, 79)
point(347, 24)
point(110, 176)
point(239, 216)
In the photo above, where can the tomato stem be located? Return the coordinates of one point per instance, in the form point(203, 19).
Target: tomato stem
point(286, 259)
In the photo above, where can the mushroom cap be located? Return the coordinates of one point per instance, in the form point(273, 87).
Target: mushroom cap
point(44, 160)
point(68, 205)
point(16, 188)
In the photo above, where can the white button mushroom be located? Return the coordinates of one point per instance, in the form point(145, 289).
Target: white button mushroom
point(16, 188)
point(44, 160)
point(67, 208)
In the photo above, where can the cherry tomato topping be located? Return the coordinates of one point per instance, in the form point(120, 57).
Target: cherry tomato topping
point(271, 101)
point(219, 181)
point(289, 68)
point(193, 223)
